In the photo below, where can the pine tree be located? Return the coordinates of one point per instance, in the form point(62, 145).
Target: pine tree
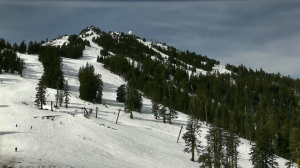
point(40, 95)
point(163, 110)
point(134, 100)
point(21, 67)
point(216, 144)
point(1, 60)
point(30, 48)
point(271, 124)
point(99, 89)
point(66, 93)
point(57, 94)
point(263, 152)
point(155, 109)
point(155, 104)
point(295, 145)
point(33, 48)
point(52, 62)
point(206, 159)
point(23, 47)
point(138, 101)
point(162, 113)
point(172, 114)
point(191, 137)
point(99, 95)
point(121, 93)
point(60, 97)
point(129, 102)
point(91, 84)
point(249, 127)
point(15, 47)
point(232, 143)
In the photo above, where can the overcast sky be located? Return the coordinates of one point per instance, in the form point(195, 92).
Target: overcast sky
point(256, 33)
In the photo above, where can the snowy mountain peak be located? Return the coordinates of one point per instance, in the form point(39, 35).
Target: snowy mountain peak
point(90, 30)
point(58, 41)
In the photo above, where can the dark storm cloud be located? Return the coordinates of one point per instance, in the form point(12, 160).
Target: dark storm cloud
point(256, 33)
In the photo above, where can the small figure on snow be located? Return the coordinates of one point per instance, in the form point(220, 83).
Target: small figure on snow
point(31, 127)
point(16, 125)
point(16, 149)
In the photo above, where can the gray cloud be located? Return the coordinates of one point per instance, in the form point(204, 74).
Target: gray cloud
point(256, 33)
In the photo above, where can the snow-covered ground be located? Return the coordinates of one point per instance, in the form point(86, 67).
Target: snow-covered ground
point(60, 139)
point(217, 68)
point(66, 141)
point(59, 41)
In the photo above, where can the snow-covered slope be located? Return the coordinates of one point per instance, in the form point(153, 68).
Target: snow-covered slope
point(58, 41)
point(216, 69)
point(60, 139)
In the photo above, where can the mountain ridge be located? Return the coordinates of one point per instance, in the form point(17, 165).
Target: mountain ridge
point(242, 97)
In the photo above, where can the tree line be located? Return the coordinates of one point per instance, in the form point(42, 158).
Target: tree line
point(9, 61)
point(252, 99)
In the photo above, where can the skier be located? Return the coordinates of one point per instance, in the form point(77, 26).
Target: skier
point(31, 127)
point(16, 149)
point(16, 125)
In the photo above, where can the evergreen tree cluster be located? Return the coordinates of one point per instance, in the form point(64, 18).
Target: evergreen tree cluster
point(255, 105)
point(5, 44)
point(221, 149)
point(93, 28)
point(186, 58)
point(74, 48)
point(9, 61)
point(131, 97)
point(91, 84)
point(263, 151)
point(33, 47)
point(52, 62)
point(250, 99)
point(22, 48)
point(124, 45)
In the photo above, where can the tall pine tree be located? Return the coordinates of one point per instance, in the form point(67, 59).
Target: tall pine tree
point(121, 93)
point(40, 95)
point(263, 152)
point(66, 93)
point(192, 137)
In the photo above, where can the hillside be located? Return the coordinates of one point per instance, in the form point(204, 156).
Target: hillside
point(68, 141)
point(65, 138)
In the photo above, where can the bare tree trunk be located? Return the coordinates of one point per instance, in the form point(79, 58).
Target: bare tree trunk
point(206, 114)
point(193, 143)
point(131, 116)
point(297, 158)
